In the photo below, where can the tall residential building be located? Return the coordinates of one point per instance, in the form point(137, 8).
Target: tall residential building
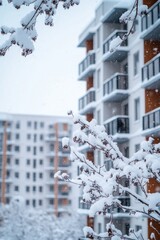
point(122, 91)
point(30, 153)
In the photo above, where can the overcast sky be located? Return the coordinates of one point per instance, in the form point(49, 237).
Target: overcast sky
point(46, 81)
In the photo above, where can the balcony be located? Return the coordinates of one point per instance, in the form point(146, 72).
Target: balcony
point(115, 89)
point(151, 73)
point(87, 66)
point(150, 23)
point(88, 102)
point(118, 127)
point(83, 208)
point(113, 15)
point(120, 52)
point(151, 123)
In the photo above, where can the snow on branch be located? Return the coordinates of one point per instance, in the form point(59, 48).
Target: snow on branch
point(105, 189)
point(26, 34)
point(129, 16)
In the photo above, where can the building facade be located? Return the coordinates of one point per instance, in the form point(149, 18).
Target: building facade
point(122, 91)
point(30, 153)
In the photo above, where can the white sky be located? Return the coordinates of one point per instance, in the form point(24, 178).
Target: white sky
point(45, 82)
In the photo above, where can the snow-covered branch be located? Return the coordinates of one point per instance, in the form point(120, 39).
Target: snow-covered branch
point(104, 189)
point(26, 34)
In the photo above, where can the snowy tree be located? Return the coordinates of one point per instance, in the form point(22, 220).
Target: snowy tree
point(26, 34)
point(102, 187)
point(19, 223)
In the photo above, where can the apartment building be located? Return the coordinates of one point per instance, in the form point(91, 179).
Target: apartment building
point(30, 153)
point(122, 91)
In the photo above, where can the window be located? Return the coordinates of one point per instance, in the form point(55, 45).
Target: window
point(40, 202)
point(16, 161)
point(41, 124)
point(28, 175)
point(99, 227)
point(34, 150)
point(41, 149)
point(40, 162)
point(137, 147)
point(27, 202)
point(126, 152)
point(34, 188)
point(17, 136)
point(28, 136)
point(40, 175)
point(41, 137)
point(29, 124)
point(136, 63)
point(16, 148)
point(34, 203)
point(34, 163)
point(35, 137)
point(16, 174)
point(98, 117)
point(137, 109)
point(138, 227)
point(28, 148)
point(34, 176)
point(35, 125)
point(98, 38)
point(17, 125)
point(98, 78)
point(27, 189)
point(28, 161)
point(40, 189)
point(16, 188)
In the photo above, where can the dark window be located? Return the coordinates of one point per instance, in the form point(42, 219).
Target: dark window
point(28, 175)
point(17, 125)
point(17, 136)
point(137, 147)
point(40, 202)
point(16, 174)
point(29, 124)
point(27, 189)
point(34, 176)
point(41, 124)
point(41, 149)
point(28, 148)
point(40, 162)
point(28, 136)
point(41, 137)
point(16, 161)
point(27, 202)
point(17, 148)
point(137, 109)
point(34, 163)
point(28, 161)
point(34, 150)
point(16, 188)
point(34, 203)
point(35, 137)
point(34, 188)
point(136, 63)
point(40, 189)
point(35, 125)
point(40, 175)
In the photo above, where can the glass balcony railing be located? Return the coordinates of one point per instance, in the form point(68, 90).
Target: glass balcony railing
point(118, 125)
point(87, 99)
point(116, 82)
point(151, 70)
point(120, 33)
point(150, 22)
point(89, 60)
point(83, 205)
point(151, 119)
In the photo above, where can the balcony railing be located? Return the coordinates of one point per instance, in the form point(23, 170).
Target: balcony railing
point(83, 205)
point(119, 53)
point(117, 82)
point(151, 120)
point(151, 71)
point(118, 125)
point(150, 22)
point(89, 60)
point(87, 99)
